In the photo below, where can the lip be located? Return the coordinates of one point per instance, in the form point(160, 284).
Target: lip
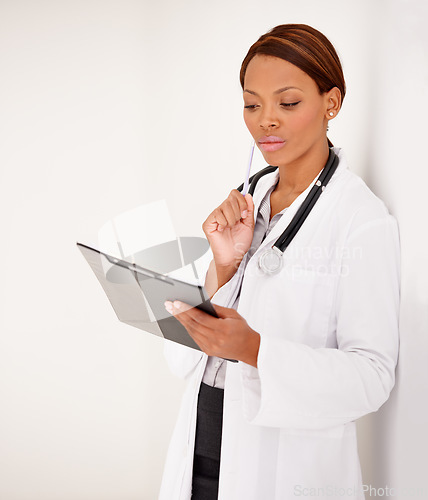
point(271, 143)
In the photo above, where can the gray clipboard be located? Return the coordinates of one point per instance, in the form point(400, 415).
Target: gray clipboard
point(137, 295)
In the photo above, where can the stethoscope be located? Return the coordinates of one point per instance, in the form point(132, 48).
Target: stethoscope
point(270, 261)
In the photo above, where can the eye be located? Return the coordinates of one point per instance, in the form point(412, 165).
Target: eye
point(251, 106)
point(289, 105)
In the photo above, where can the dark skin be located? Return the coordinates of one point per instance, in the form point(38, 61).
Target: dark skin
point(272, 88)
point(228, 336)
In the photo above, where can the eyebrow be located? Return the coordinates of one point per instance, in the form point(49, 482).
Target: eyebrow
point(283, 89)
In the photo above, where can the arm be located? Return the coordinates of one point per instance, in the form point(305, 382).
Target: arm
point(218, 276)
point(300, 387)
point(229, 231)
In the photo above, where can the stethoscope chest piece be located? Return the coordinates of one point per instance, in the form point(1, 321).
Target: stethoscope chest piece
point(270, 261)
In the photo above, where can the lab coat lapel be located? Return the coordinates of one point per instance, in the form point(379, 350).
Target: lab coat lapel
point(285, 218)
point(292, 209)
point(262, 186)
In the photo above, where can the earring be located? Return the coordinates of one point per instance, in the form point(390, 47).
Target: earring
point(331, 113)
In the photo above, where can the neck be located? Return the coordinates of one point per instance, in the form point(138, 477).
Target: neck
point(295, 177)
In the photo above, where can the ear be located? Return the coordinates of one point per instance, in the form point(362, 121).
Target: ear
point(333, 101)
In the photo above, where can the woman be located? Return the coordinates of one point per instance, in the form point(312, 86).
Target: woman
point(317, 342)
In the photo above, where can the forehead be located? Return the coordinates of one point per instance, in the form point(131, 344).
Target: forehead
point(272, 73)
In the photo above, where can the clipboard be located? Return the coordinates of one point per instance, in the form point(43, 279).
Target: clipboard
point(137, 295)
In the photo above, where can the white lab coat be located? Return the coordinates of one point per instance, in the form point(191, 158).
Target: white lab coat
point(329, 346)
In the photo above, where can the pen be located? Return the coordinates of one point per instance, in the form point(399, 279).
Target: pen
point(247, 177)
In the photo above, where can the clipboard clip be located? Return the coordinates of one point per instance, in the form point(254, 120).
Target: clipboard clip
point(136, 268)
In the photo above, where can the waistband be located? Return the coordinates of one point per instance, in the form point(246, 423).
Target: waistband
point(210, 398)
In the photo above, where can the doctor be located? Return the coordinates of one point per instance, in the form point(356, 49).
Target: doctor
point(317, 342)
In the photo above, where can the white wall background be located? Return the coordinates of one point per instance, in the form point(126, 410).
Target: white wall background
point(106, 105)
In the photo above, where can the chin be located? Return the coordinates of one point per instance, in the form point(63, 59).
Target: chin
point(276, 158)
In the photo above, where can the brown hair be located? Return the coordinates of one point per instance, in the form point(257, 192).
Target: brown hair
point(306, 48)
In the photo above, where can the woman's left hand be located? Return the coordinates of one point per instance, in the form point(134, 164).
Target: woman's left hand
point(227, 336)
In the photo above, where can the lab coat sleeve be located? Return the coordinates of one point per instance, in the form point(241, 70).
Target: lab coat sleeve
point(300, 387)
point(181, 360)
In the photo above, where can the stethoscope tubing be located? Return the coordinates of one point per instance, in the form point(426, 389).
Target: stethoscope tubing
point(277, 249)
point(290, 232)
point(255, 178)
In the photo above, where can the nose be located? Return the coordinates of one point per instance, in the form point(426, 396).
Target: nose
point(268, 118)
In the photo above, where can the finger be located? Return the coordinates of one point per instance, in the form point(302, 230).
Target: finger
point(211, 224)
point(202, 317)
point(242, 202)
point(225, 312)
point(195, 315)
point(199, 331)
point(226, 218)
point(228, 213)
point(195, 334)
point(234, 208)
point(239, 202)
point(181, 306)
point(178, 307)
point(220, 218)
point(195, 329)
point(232, 211)
point(249, 219)
point(250, 202)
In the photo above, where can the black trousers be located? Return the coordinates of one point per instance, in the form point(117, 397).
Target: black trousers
point(206, 460)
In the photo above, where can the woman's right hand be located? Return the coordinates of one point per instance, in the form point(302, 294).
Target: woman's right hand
point(229, 229)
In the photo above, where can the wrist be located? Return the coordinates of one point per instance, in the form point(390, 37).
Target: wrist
point(252, 351)
point(225, 272)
